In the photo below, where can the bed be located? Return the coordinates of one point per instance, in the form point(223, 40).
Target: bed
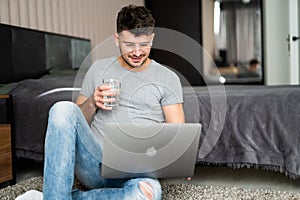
point(243, 125)
point(31, 104)
point(32, 63)
point(256, 126)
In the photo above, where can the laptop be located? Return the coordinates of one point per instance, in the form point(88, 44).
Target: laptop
point(161, 150)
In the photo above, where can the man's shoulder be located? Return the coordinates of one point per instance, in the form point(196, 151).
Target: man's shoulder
point(167, 72)
point(164, 70)
point(102, 63)
point(105, 61)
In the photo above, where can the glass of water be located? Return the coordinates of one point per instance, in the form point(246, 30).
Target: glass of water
point(115, 85)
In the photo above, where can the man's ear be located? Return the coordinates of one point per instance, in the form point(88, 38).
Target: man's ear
point(152, 36)
point(116, 37)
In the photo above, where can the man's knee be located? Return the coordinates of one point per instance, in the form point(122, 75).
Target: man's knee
point(151, 189)
point(61, 111)
point(147, 189)
point(63, 106)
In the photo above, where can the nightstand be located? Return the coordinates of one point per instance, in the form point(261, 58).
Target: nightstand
point(6, 140)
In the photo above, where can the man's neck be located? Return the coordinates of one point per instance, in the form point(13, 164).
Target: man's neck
point(125, 65)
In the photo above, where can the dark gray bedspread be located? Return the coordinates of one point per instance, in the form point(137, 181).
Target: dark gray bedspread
point(31, 112)
point(261, 126)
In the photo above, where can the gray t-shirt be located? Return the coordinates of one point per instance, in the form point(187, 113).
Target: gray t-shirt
point(142, 93)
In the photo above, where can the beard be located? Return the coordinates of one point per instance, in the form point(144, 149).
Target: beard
point(143, 56)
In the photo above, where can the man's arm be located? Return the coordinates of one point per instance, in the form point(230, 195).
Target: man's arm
point(87, 107)
point(174, 113)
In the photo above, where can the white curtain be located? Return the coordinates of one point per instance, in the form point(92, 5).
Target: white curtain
point(240, 32)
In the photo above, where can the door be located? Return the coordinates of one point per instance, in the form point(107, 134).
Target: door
point(294, 41)
point(281, 52)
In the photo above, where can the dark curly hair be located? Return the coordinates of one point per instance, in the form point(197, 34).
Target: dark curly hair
point(135, 19)
point(253, 62)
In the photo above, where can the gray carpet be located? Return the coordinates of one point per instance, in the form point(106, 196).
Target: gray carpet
point(171, 192)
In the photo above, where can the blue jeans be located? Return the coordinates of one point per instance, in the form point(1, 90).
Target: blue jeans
point(70, 148)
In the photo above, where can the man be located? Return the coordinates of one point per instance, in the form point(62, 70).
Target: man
point(254, 66)
point(252, 71)
point(150, 94)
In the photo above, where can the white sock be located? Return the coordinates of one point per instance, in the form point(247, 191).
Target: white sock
point(31, 195)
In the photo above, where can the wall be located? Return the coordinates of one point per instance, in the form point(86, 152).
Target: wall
point(92, 19)
point(95, 19)
point(276, 31)
point(299, 33)
point(208, 34)
point(181, 17)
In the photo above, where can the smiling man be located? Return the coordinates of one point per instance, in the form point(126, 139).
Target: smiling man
point(150, 93)
point(134, 49)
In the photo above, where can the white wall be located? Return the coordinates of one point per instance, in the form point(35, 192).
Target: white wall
point(95, 19)
point(276, 30)
point(299, 33)
point(208, 34)
point(92, 19)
